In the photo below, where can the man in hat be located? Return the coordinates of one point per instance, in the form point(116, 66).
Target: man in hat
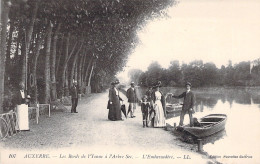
point(132, 99)
point(188, 103)
point(74, 97)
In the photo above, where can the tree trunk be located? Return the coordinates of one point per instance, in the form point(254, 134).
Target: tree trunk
point(86, 73)
point(66, 60)
point(67, 83)
point(28, 37)
point(90, 74)
point(80, 67)
point(53, 63)
point(63, 76)
point(20, 33)
point(72, 72)
point(3, 22)
point(88, 68)
point(23, 56)
point(74, 66)
point(8, 51)
point(82, 75)
point(47, 64)
point(34, 67)
point(59, 56)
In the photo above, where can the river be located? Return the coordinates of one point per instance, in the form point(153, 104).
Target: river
point(241, 138)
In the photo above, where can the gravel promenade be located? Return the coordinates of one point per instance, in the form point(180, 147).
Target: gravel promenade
point(88, 136)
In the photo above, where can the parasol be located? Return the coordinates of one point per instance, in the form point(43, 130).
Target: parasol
point(123, 110)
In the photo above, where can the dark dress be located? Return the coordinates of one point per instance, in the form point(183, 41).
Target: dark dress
point(114, 108)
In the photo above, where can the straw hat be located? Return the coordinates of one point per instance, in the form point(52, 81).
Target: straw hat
point(115, 82)
point(188, 83)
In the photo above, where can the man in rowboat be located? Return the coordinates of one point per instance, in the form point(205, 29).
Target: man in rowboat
point(188, 103)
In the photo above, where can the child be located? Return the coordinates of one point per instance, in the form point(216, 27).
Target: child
point(145, 106)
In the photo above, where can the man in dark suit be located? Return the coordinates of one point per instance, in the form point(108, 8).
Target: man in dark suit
point(132, 99)
point(74, 97)
point(188, 103)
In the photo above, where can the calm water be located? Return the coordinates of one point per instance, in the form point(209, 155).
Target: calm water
point(242, 132)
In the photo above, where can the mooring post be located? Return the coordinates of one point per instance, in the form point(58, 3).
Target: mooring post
point(200, 145)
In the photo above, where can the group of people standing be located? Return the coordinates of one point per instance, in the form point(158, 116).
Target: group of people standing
point(153, 104)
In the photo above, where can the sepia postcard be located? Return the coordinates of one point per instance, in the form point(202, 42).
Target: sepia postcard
point(134, 81)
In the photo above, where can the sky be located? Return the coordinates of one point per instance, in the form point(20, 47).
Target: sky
point(212, 31)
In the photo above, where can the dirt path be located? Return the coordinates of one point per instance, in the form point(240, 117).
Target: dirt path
point(90, 132)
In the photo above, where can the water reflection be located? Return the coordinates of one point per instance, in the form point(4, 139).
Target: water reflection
point(213, 138)
point(241, 105)
point(209, 97)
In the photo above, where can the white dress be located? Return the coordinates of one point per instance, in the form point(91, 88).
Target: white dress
point(159, 119)
point(23, 115)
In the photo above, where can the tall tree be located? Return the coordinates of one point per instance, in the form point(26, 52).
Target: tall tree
point(74, 65)
point(27, 40)
point(47, 64)
point(5, 6)
point(39, 43)
point(53, 63)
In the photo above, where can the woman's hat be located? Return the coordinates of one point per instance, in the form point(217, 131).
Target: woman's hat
point(115, 82)
point(158, 84)
point(188, 83)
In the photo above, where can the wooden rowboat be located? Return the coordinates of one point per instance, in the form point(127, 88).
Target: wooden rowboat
point(209, 125)
point(173, 108)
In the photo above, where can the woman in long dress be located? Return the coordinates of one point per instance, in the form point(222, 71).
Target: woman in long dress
point(158, 99)
point(114, 113)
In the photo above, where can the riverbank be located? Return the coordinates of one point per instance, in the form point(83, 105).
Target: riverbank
point(65, 135)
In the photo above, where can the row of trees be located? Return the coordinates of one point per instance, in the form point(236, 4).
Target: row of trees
point(48, 44)
point(199, 74)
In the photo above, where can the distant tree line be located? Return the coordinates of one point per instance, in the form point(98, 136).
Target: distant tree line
point(199, 74)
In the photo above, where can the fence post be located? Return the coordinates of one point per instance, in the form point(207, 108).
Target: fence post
point(200, 145)
point(37, 113)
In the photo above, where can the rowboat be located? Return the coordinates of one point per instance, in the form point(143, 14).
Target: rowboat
point(173, 108)
point(208, 125)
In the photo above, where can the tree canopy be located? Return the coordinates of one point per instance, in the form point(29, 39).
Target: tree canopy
point(51, 43)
